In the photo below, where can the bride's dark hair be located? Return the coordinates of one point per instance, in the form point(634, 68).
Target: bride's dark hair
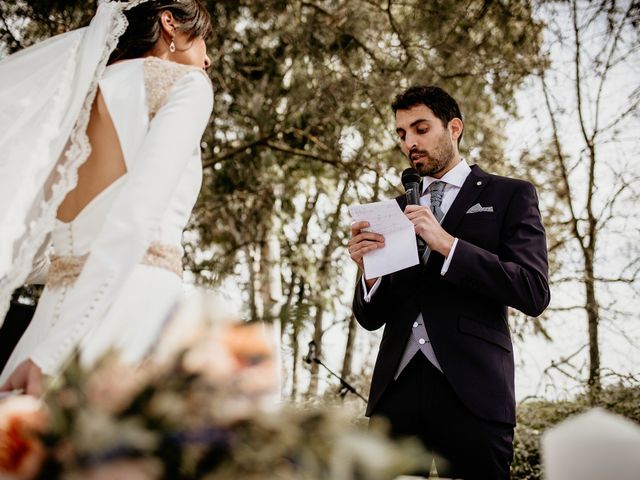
point(144, 28)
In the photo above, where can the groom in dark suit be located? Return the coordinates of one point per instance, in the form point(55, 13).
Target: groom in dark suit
point(445, 369)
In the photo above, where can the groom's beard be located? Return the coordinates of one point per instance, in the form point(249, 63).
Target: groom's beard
point(434, 162)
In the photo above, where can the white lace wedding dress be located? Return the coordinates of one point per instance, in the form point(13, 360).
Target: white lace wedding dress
point(115, 273)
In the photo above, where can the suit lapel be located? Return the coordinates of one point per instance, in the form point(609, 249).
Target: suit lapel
point(475, 183)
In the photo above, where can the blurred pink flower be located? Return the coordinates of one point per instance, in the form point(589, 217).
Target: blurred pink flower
point(254, 353)
point(248, 344)
point(22, 418)
point(239, 353)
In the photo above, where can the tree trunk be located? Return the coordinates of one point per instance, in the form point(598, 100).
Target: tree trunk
point(593, 317)
point(288, 314)
point(322, 284)
point(589, 250)
point(285, 309)
point(269, 273)
point(317, 338)
point(587, 242)
point(295, 330)
point(348, 351)
point(270, 291)
point(253, 307)
point(295, 343)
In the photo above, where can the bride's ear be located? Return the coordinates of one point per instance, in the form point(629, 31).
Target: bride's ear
point(168, 23)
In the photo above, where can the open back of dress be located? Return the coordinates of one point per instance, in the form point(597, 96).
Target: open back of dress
point(120, 234)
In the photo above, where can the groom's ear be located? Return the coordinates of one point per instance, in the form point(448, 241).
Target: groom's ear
point(168, 23)
point(456, 128)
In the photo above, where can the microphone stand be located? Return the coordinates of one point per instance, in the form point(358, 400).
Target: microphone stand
point(345, 387)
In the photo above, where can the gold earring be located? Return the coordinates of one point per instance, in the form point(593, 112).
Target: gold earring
point(172, 47)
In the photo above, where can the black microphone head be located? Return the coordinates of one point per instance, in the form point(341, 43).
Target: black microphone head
point(410, 175)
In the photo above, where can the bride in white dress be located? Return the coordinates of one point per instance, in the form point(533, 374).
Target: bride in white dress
point(116, 257)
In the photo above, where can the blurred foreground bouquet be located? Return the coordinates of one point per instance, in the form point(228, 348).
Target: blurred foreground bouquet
point(201, 406)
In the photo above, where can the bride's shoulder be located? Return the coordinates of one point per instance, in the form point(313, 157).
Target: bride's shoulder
point(161, 76)
point(159, 70)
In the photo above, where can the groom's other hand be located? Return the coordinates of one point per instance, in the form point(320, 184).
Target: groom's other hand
point(361, 243)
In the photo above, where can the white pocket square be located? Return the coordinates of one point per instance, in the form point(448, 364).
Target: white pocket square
point(477, 208)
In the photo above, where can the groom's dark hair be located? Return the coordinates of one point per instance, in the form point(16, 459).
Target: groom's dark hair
point(144, 27)
point(443, 105)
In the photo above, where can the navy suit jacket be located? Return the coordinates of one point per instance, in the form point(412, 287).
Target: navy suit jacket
point(500, 261)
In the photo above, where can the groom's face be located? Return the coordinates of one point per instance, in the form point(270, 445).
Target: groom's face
point(426, 142)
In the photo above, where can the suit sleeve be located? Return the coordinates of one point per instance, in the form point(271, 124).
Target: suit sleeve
point(375, 313)
point(173, 136)
point(517, 274)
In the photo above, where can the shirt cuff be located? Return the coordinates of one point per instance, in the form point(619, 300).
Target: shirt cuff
point(447, 261)
point(369, 294)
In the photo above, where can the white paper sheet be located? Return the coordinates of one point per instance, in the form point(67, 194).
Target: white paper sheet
point(400, 249)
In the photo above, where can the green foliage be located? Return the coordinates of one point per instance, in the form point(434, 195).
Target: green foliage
point(293, 78)
point(23, 23)
point(535, 417)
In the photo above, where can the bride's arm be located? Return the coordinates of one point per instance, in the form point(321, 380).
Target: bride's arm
point(137, 211)
point(40, 266)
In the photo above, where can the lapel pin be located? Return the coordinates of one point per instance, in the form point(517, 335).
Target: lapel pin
point(479, 182)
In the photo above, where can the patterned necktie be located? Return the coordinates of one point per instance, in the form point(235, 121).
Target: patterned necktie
point(437, 190)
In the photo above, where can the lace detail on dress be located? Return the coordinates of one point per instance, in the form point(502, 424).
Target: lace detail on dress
point(164, 256)
point(159, 78)
point(65, 269)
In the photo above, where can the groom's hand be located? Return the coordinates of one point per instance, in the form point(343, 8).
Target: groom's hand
point(361, 243)
point(26, 377)
point(429, 229)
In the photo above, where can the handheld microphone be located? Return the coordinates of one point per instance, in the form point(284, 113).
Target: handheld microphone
point(411, 184)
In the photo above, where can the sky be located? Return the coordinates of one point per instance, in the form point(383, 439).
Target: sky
point(618, 159)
